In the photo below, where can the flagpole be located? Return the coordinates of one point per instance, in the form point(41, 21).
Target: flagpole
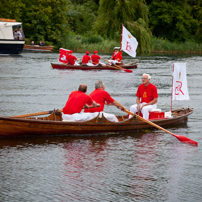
point(172, 90)
point(121, 38)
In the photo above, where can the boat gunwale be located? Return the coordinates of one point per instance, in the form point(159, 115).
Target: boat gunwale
point(103, 120)
point(96, 67)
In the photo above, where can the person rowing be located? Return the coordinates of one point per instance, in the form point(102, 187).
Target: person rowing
point(78, 100)
point(102, 97)
point(86, 59)
point(72, 58)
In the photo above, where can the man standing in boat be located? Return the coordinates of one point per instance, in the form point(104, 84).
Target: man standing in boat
point(76, 102)
point(72, 58)
point(102, 97)
point(147, 97)
point(117, 56)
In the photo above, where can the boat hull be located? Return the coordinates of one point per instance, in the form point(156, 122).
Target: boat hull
point(10, 47)
point(53, 125)
point(86, 67)
point(37, 48)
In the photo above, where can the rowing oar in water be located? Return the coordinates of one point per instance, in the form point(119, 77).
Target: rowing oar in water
point(46, 112)
point(126, 70)
point(179, 137)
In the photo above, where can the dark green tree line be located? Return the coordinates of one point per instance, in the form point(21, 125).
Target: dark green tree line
point(55, 20)
point(133, 14)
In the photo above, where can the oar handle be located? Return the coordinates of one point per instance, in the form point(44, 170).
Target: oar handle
point(36, 114)
point(42, 113)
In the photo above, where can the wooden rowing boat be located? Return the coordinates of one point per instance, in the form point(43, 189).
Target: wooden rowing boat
point(98, 67)
point(53, 125)
point(37, 48)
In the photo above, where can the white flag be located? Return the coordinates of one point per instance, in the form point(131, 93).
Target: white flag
point(129, 43)
point(180, 90)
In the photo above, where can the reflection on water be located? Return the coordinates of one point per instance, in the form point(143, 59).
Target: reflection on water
point(135, 166)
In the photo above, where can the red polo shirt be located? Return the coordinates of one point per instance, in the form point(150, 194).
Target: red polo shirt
point(85, 59)
point(76, 101)
point(100, 96)
point(71, 59)
point(147, 93)
point(95, 59)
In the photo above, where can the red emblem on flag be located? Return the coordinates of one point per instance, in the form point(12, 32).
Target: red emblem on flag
point(63, 57)
point(178, 88)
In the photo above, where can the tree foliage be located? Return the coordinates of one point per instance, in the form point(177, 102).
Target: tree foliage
point(131, 13)
point(172, 20)
point(82, 16)
point(11, 9)
point(45, 19)
point(197, 14)
point(55, 21)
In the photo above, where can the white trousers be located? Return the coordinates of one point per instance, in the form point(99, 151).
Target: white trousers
point(145, 110)
point(81, 117)
point(113, 61)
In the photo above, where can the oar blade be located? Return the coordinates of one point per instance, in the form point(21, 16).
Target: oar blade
point(186, 140)
point(128, 70)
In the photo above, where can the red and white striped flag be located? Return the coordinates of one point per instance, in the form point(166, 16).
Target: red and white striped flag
point(63, 55)
point(180, 90)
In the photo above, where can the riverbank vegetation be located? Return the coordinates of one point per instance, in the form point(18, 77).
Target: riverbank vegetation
point(80, 25)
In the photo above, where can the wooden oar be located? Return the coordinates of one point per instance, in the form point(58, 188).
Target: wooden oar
point(36, 114)
point(43, 113)
point(112, 67)
point(126, 70)
point(179, 137)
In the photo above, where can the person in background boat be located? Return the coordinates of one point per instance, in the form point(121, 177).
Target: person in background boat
point(71, 58)
point(116, 57)
point(16, 34)
point(76, 102)
point(95, 58)
point(32, 43)
point(86, 58)
point(42, 43)
point(147, 97)
point(102, 97)
point(20, 35)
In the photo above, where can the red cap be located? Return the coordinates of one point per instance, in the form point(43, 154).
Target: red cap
point(87, 52)
point(70, 51)
point(95, 52)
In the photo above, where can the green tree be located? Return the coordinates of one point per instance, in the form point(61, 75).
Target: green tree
point(133, 14)
point(197, 14)
point(11, 9)
point(45, 20)
point(83, 16)
point(172, 20)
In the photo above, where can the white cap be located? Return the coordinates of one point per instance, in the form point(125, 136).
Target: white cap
point(116, 48)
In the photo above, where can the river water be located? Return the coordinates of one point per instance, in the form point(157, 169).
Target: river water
point(134, 166)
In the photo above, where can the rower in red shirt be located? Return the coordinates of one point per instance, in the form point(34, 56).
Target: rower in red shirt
point(71, 58)
point(86, 58)
point(76, 102)
point(95, 58)
point(102, 97)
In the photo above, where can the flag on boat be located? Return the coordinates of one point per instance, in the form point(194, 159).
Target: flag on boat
point(129, 43)
point(63, 55)
point(180, 90)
